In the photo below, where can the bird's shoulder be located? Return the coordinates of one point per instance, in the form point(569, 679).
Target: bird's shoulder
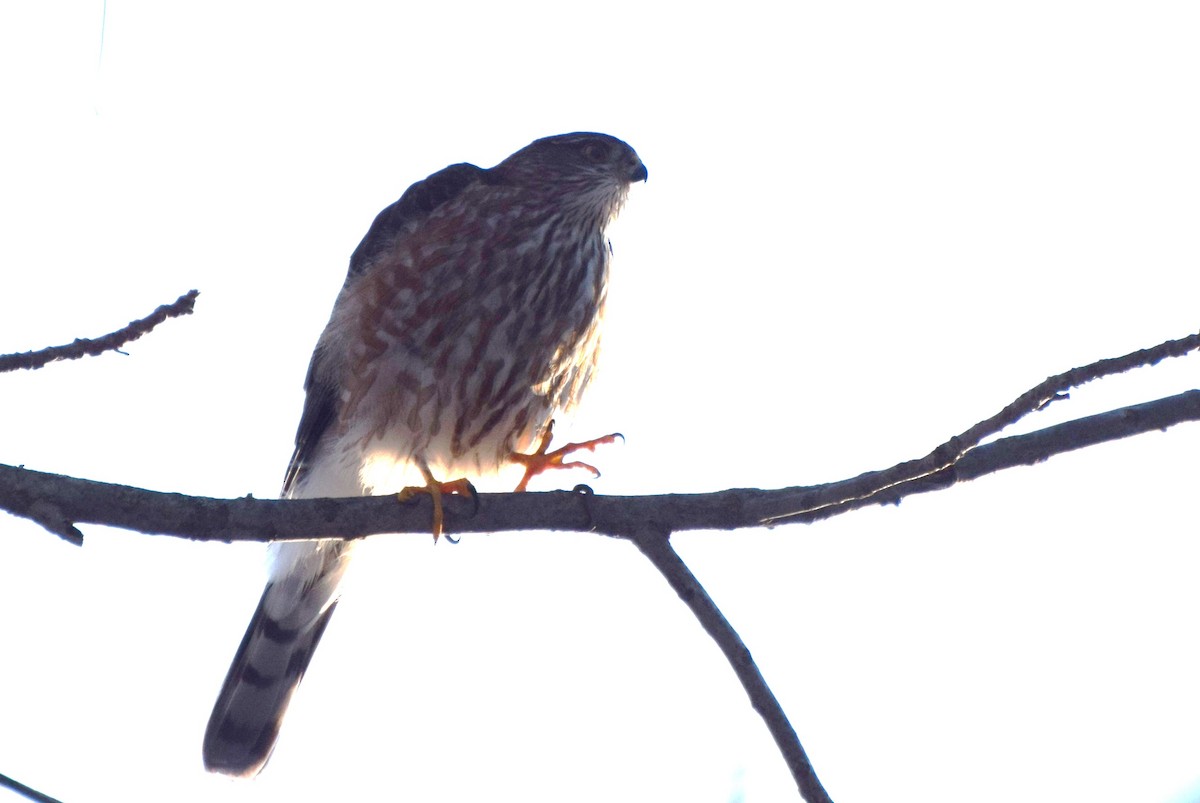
point(415, 205)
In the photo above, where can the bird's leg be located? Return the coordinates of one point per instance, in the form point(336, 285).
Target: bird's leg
point(435, 489)
point(541, 460)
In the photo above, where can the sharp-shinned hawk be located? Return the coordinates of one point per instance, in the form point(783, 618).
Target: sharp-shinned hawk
point(469, 319)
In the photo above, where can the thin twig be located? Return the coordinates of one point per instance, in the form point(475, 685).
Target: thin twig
point(90, 347)
point(1052, 389)
point(22, 789)
point(657, 548)
point(1024, 450)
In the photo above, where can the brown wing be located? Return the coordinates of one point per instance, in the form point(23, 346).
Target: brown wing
point(322, 391)
point(417, 202)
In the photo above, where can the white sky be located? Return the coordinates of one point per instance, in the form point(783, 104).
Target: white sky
point(867, 226)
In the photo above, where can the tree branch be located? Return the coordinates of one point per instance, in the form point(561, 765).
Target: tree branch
point(1021, 450)
point(656, 546)
point(59, 503)
point(26, 791)
point(1052, 389)
point(85, 347)
point(56, 501)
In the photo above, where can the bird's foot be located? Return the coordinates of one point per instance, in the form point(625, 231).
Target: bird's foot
point(542, 460)
point(436, 490)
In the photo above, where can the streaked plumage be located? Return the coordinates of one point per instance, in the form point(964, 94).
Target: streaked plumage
point(469, 319)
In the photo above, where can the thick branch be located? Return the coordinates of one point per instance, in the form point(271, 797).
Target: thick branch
point(90, 347)
point(58, 502)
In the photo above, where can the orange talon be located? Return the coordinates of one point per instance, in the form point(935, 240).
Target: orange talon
point(541, 460)
point(435, 489)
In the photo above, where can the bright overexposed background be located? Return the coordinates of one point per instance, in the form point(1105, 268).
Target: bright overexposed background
point(867, 226)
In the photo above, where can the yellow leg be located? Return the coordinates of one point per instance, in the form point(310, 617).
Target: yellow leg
point(541, 460)
point(435, 490)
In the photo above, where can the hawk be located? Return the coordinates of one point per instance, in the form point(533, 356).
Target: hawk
point(469, 319)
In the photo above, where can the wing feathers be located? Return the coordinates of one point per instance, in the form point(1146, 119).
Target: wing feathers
point(321, 392)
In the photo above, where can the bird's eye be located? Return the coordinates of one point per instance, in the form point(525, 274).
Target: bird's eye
point(595, 152)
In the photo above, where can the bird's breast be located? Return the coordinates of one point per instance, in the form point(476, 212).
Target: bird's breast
point(461, 350)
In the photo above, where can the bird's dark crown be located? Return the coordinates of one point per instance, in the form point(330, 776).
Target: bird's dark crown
point(579, 152)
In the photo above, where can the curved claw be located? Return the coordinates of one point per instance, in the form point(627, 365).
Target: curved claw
point(467, 490)
point(435, 489)
point(580, 464)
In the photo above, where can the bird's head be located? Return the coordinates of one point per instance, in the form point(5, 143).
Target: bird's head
point(589, 171)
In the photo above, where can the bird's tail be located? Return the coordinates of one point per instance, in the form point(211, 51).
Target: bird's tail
point(290, 618)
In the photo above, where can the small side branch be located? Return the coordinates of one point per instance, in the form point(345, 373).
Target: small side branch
point(657, 548)
point(90, 347)
point(1019, 450)
point(875, 483)
point(22, 789)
